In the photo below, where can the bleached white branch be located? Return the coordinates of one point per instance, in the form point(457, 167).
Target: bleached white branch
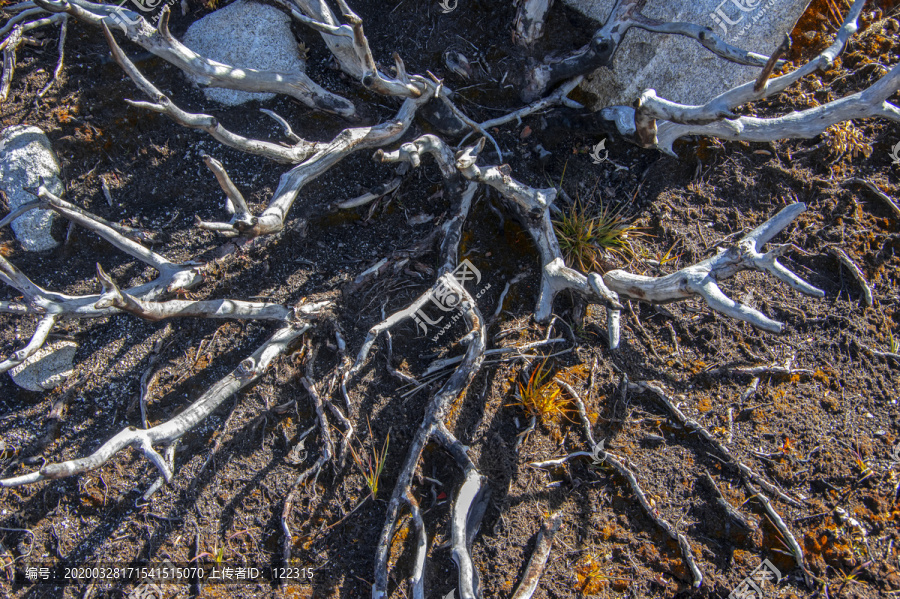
point(869, 103)
point(435, 412)
point(718, 117)
point(339, 38)
point(857, 274)
point(599, 52)
point(11, 44)
point(161, 103)
point(169, 432)
point(528, 26)
point(702, 279)
point(155, 310)
point(206, 72)
point(327, 155)
point(243, 219)
point(535, 567)
point(37, 341)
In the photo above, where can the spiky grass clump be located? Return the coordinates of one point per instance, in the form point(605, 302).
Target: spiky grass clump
point(371, 463)
point(586, 238)
point(542, 398)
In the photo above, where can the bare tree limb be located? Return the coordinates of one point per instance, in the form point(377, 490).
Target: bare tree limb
point(702, 279)
point(326, 156)
point(529, 23)
point(535, 567)
point(63, 31)
point(683, 420)
point(417, 578)
point(206, 72)
point(599, 455)
point(869, 103)
point(605, 42)
point(533, 210)
point(11, 45)
point(435, 412)
point(156, 311)
point(236, 204)
point(468, 508)
point(169, 432)
point(117, 239)
point(878, 193)
point(162, 104)
point(37, 341)
point(559, 96)
point(717, 118)
point(845, 260)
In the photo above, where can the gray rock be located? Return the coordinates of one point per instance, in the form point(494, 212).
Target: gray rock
point(245, 34)
point(46, 369)
point(25, 156)
point(679, 68)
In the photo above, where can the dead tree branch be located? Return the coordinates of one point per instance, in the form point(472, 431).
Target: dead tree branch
point(878, 193)
point(749, 476)
point(702, 279)
point(161, 103)
point(535, 567)
point(600, 50)
point(686, 422)
point(327, 155)
point(171, 431)
point(37, 341)
point(718, 117)
point(16, 38)
point(532, 207)
point(529, 23)
point(350, 47)
point(599, 455)
point(317, 15)
point(435, 413)
point(155, 310)
point(204, 71)
point(468, 508)
point(857, 274)
point(869, 103)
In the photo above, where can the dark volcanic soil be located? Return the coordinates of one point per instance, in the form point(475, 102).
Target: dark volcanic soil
point(824, 434)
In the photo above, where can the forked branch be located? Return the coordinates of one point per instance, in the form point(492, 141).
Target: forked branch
point(701, 280)
point(206, 72)
point(171, 431)
point(605, 42)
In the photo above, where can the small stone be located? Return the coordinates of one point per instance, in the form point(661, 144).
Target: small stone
point(26, 157)
point(249, 35)
point(47, 368)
